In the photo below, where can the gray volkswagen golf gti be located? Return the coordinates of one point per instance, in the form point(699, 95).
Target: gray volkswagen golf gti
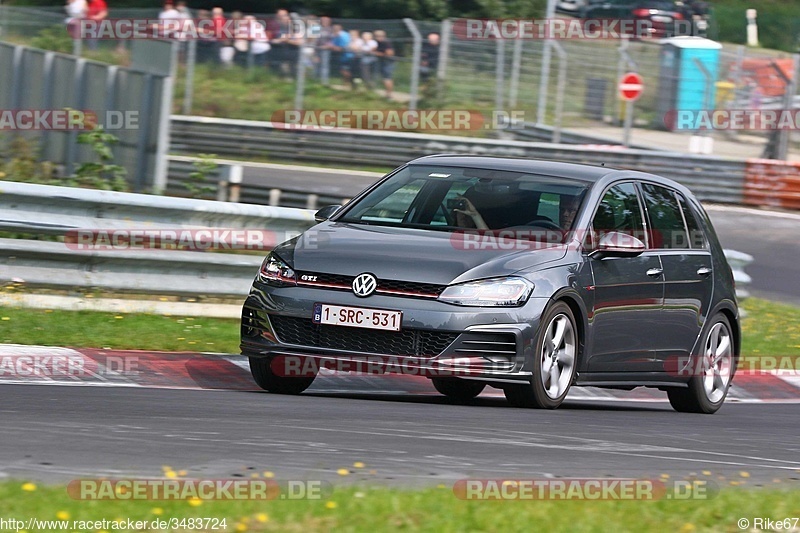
point(528, 276)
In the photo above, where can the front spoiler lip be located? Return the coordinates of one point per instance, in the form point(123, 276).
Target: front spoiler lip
point(410, 365)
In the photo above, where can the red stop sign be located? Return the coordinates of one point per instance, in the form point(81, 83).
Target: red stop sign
point(631, 86)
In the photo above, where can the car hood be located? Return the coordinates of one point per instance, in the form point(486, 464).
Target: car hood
point(408, 254)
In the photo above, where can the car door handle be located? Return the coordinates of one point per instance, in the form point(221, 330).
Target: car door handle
point(703, 271)
point(655, 272)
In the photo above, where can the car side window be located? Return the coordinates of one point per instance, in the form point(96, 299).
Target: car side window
point(667, 228)
point(697, 239)
point(619, 210)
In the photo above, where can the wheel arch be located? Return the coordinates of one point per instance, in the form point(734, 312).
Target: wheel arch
point(573, 300)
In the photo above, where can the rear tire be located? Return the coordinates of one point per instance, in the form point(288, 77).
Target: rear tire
point(461, 390)
point(554, 364)
point(261, 369)
point(711, 374)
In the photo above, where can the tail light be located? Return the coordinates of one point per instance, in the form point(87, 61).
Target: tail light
point(641, 13)
point(677, 16)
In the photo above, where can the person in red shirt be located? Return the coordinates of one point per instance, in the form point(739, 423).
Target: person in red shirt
point(98, 10)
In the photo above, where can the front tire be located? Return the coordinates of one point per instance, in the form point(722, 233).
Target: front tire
point(711, 374)
point(555, 362)
point(461, 390)
point(267, 379)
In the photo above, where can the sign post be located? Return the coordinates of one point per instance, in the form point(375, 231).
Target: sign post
point(631, 86)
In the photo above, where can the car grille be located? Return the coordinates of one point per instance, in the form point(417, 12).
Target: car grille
point(412, 342)
point(385, 286)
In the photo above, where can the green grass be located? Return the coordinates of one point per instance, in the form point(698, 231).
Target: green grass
point(91, 329)
point(770, 328)
point(432, 509)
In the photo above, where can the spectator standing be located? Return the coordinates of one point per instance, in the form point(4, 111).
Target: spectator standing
point(356, 45)
point(98, 10)
point(429, 59)
point(257, 37)
point(169, 13)
point(280, 36)
point(324, 47)
point(341, 46)
point(386, 59)
point(239, 41)
point(76, 10)
point(225, 49)
point(368, 59)
point(183, 9)
point(206, 38)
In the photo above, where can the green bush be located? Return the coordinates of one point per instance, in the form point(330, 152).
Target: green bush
point(54, 38)
point(778, 23)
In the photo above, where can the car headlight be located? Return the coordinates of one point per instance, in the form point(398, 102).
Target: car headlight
point(502, 292)
point(275, 271)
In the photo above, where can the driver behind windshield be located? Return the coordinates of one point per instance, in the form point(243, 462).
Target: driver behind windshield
point(468, 216)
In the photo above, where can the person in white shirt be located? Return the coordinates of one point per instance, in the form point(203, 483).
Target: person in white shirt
point(368, 58)
point(258, 40)
point(169, 13)
point(76, 9)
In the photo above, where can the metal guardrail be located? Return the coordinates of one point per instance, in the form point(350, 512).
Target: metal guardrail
point(43, 210)
point(710, 178)
point(252, 183)
point(533, 132)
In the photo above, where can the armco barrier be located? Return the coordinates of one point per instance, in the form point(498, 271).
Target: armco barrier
point(711, 178)
point(42, 210)
point(265, 184)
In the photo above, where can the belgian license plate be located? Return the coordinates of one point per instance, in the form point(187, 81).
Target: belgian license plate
point(661, 19)
point(357, 317)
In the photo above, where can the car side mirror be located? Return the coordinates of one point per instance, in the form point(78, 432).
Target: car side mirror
point(617, 244)
point(326, 212)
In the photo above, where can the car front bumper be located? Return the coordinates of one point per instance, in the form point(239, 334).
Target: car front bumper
point(479, 343)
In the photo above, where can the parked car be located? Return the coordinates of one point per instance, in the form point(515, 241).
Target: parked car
point(664, 16)
point(528, 276)
point(570, 7)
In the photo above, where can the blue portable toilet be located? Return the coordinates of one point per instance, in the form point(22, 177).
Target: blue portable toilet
point(688, 76)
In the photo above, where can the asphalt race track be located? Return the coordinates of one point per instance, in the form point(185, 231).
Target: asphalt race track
point(59, 433)
point(772, 239)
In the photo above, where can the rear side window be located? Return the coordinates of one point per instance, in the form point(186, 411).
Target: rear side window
point(619, 210)
point(697, 239)
point(667, 228)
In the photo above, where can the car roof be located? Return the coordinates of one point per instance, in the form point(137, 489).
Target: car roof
point(588, 174)
point(574, 171)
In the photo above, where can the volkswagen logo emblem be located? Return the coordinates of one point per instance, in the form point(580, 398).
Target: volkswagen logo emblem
point(364, 285)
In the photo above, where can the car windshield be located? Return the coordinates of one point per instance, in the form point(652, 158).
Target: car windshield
point(455, 198)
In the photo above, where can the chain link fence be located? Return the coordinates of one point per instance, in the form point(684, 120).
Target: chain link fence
point(579, 90)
